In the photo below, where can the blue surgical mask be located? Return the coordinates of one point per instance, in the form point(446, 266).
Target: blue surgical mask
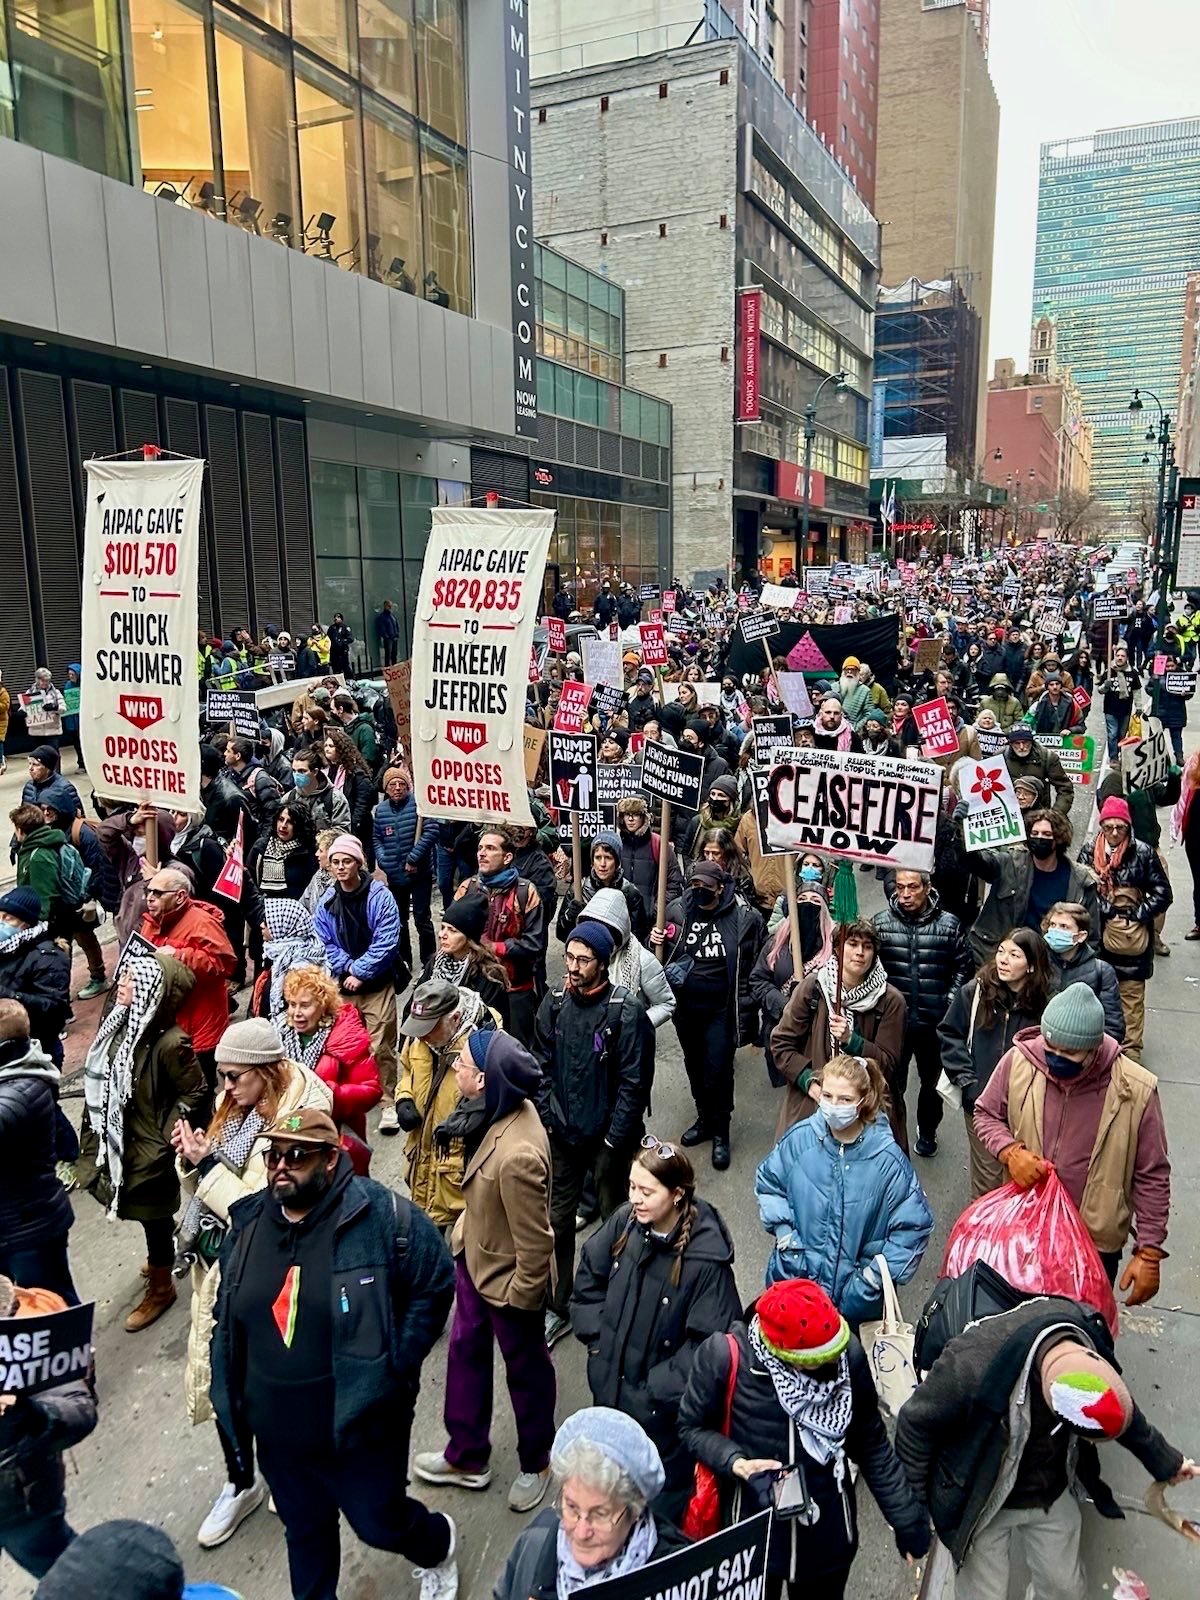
point(303, 779)
point(810, 874)
point(838, 1117)
point(1063, 1066)
point(1059, 940)
point(8, 930)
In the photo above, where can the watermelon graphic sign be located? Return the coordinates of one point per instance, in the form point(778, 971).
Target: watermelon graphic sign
point(805, 655)
point(816, 647)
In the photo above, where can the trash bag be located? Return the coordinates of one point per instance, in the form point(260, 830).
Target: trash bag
point(1035, 1239)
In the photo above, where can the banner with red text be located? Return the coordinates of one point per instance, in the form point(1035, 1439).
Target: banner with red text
point(749, 354)
point(477, 608)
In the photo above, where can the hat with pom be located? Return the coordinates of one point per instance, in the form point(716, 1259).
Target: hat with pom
point(1085, 1390)
point(800, 1324)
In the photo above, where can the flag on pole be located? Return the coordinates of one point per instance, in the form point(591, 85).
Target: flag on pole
point(229, 880)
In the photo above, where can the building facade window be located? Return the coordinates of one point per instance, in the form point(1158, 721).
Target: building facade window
point(174, 115)
point(580, 315)
point(68, 81)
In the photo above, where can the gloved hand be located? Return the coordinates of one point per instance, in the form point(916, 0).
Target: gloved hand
point(1023, 1167)
point(407, 1115)
point(960, 811)
point(1141, 1275)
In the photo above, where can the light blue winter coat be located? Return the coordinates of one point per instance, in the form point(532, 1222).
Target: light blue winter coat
point(834, 1207)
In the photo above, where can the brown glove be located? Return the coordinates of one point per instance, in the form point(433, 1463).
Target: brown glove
point(1141, 1275)
point(1024, 1168)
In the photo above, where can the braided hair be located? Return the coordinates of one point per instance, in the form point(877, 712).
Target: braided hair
point(675, 1172)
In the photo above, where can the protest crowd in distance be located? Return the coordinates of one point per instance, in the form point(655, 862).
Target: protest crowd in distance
point(461, 906)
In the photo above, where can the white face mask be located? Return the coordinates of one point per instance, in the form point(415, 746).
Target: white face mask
point(838, 1117)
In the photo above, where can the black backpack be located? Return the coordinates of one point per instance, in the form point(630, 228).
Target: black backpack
point(956, 1303)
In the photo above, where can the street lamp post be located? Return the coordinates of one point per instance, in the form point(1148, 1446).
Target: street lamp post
point(1166, 557)
point(810, 434)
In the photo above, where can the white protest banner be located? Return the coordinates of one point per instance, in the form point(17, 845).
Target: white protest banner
point(993, 816)
point(816, 580)
point(601, 661)
point(46, 1349)
point(777, 595)
point(41, 721)
point(476, 612)
point(141, 547)
point(877, 809)
point(793, 692)
point(1146, 762)
point(1050, 624)
point(707, 694)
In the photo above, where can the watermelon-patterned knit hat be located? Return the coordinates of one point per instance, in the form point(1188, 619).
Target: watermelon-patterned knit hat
point(800, 1324)
point(1085, 1390)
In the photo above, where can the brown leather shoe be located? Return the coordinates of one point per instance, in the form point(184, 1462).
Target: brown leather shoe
point(159, 1297)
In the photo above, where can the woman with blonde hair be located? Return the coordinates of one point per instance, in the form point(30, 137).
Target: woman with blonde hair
point(322, 1031)
point(217, 1168)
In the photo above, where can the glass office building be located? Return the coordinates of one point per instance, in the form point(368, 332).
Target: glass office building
point(1118, 233)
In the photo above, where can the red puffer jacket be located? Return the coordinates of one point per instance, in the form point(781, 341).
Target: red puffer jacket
point(348, 1067)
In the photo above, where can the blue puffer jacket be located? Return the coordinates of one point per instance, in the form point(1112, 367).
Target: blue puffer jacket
point(374, 966)
point(395, 829)
point(834, 1207)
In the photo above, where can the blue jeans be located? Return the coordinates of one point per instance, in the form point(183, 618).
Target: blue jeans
point(37, 1544)
point(1115, 728)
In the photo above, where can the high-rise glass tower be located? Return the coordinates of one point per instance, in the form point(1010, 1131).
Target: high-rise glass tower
point(1118, 233)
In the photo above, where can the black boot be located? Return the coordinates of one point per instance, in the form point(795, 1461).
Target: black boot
point(720, 1152)
point(696, 1134)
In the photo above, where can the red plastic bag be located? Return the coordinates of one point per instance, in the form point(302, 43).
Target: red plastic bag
point(1036, 1240)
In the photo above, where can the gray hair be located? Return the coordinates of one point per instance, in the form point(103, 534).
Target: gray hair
point(924, 876)
point(180, 877)
point(8, 1297)
point(583, 1459)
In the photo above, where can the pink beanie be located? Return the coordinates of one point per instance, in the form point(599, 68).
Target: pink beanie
point(347, 845)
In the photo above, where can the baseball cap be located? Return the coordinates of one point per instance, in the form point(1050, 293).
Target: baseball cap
point(431, 1002)
point(308, 1126)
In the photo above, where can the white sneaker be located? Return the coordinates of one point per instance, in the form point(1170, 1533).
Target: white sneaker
point(230, 1509)
point(441, 1582)
point(388, 1121)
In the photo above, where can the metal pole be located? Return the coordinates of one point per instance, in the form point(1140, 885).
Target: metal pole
point(810, 433)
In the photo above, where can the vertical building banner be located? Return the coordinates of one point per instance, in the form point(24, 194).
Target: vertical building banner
point(749, 350)
point(520, 214)
point(481, 586)
point(139, 696)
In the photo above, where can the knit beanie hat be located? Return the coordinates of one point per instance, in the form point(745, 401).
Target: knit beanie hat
point(479, 1043)
point(347, 845)
point(876, 715)
point(1074, 1018)
point(1115, 809)
point(1085, 1390)
point(22, 903)
point(800, 1324)
point(617, 1436)
point(619, 736)
point(726, 786)
point(610, 839)
point(851, 664)
point(597, 938)
point(253, 1043)
point(125, 1558)
point(396, 772)
point(701, 729)
point(47, 755)
point(468, 915)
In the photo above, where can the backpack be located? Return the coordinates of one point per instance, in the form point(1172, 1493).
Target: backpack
point(956, 1303)
point(74, 878)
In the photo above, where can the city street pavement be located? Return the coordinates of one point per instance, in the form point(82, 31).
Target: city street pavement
point(144, 1460)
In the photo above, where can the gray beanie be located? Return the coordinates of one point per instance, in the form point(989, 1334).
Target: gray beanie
point(618, 1437)
point(253, 1043)
point(1074, 1019)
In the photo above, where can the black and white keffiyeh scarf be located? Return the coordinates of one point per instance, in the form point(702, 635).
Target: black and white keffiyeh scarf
point(821, 1411)
point(201, 1231)
point(108, 1067)
point(292, 941)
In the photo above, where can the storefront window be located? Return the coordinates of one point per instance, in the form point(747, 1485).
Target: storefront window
point(254, 94)
point(326, 28)
point(445, 200)
point(174, 124)
point(393, 198)
point(441, 68)
point(68, 82)
point(330, 176)
point(386, 51)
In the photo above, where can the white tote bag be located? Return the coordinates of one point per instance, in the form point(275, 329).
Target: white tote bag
point(888, 1346)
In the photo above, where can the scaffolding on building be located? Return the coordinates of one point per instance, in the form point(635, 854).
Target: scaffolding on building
point(927, 354)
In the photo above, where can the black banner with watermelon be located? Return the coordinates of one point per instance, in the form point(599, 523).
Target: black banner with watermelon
point(818, 650)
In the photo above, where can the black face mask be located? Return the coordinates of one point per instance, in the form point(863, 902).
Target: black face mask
point(719, 808)
point(708, 899)
point(1062, 1066)
point(1041, 849)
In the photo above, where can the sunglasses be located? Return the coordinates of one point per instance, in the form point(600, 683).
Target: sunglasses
point(294, 1156)
point(649, 1142)
point(225, 1076)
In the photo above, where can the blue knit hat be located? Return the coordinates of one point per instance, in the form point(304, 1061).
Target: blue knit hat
point(22, 903)
point(479, 1044)
point(624, 1441)
point(597, 938)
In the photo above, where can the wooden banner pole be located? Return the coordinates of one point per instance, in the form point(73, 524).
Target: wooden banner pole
point(793, 911)
point(576, 856)
point(664, 846)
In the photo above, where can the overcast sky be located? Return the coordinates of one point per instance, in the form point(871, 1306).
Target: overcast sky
point(1064, 67)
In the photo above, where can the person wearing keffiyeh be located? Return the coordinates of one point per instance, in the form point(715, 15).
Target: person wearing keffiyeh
point(290, 941)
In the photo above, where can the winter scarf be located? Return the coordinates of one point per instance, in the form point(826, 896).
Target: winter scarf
point(291, 942)
point(864, 998)
point(23, 937)
point(845, 733)
point(201, 1233)
point(637, 1550)
point(296, 1049)
point(1106, 861)
point(272, 877)
point(108, 1066)
point(450, 969)
point(821, 1411)
point(503, 878)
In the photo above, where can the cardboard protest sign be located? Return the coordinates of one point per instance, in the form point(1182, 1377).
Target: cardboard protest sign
point(556, 634)
point(572, 707)
point(141, 551)
point(1112, 606)
point(770, 734)
point(816, 580)
point(70, 694)
point(936, 727)
point(1050, 624)
point(533, 743)
point(655, 615)
point(601, 661)
point(41, 1352)
point(654, 644)
point(1076, 751)
point(668, 602)
point(1180, 683)
point(782, 597)
point(1147, 761)
point(707, 694)
point(236, 706)
point(228, 882)
point(928, 655)
point(573, 770)
point(673, 775)
point(475, 615)
point(678, 624)
point(993, 816)
point(399, 687)
point(731, 1565)
point(793, 692)
point(877, 809)
point(615, 780)
point(43, 721)
point(755, 625)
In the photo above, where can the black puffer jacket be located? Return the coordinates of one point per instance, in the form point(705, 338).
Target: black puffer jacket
point(33, 1204)
point(597, 1060)
point(571, 911)
point(1087, 968)
point(971, 1050)
point(639, 863)
point(39, 976)
point(926, 957)
point(641, 1330)
point(761, 1429)
point(33, 1435)
point(1140, 869)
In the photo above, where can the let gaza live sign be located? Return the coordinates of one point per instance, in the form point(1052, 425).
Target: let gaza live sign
point(138, 698)
point(480, 588)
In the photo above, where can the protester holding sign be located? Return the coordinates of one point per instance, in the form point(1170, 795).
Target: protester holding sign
point(1026, 880)
point(516, 930)
point(1025, 757)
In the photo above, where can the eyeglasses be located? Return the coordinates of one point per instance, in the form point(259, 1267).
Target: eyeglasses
point(294, 1156)
point(664, 1150)
point(602, 1521)
point(225, 1076)
point(580, 961)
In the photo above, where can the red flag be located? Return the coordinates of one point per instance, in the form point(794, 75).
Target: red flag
point(229, 879)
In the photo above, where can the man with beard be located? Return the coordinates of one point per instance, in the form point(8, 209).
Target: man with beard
point(833, 730)
point(333, 1292)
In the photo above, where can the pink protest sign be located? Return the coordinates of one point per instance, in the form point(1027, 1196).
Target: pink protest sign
point(936, 727)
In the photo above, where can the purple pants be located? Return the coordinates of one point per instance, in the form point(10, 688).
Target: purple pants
point(521, 1336)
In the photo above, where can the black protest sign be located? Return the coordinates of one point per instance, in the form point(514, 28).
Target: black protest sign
point(1110, 607)
point(236, 706)
point(41, 1352)
point(616, 780)
point(1180, 683)
point(572, 770)
point(607, 699)
point(756, 625)
point(677, 622)
point(591, 823)
point(647, 591)
point(134, 946)
point(674, 775)
point(732, 1565)
point(278, 662)
point(770, 733)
